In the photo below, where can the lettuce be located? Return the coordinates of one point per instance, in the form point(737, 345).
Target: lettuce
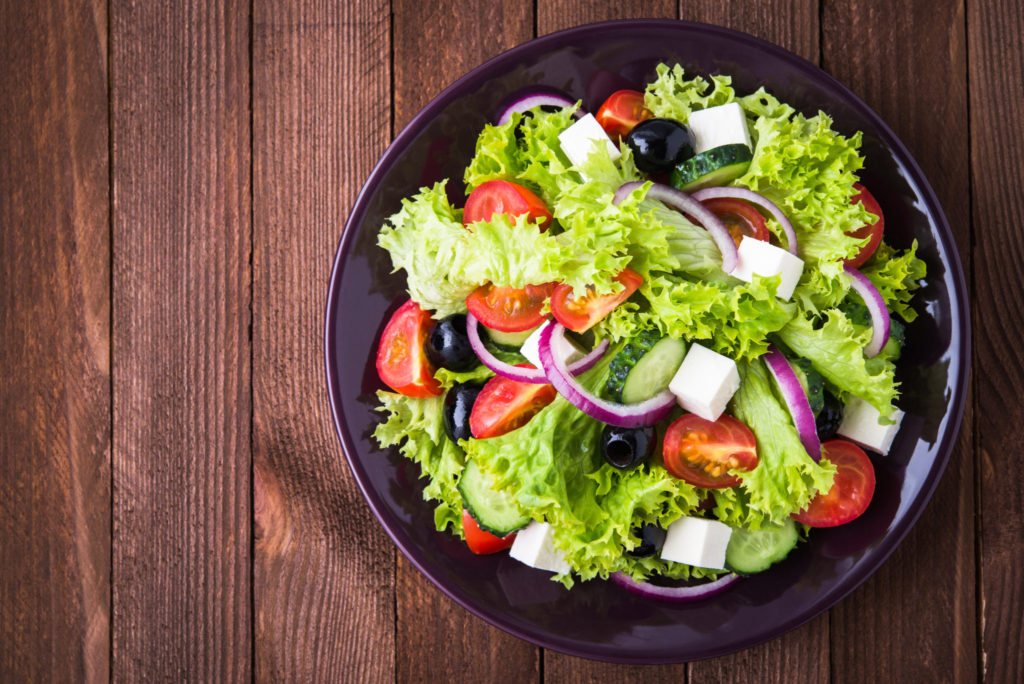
point(785, 478)
point(415, 426)
point(553, 469)
point(897, 277)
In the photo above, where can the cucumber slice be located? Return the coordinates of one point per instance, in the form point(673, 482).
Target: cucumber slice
point(492, 509)
point(812, 382)
point(717, 166)
point(752, 551)
point(509, 341)
point(644, 367)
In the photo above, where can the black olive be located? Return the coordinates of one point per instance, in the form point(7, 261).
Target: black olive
point(458, 404)
point(627, 447)
point(829, 418)
point(652, 538)
point(659, 144)
point(448, 345)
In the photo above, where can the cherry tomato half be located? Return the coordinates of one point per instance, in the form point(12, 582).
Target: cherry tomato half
point(621, 111)
point(401, 362)
point(741, 218)
point(702, 452)
point(850, 493)
point(503, 197)
point(504, 405)
point(509, 309)
point(873, 231)
point(580, 313)
point(482, 541)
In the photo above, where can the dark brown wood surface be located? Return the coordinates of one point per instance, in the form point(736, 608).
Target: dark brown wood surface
point(174, 178)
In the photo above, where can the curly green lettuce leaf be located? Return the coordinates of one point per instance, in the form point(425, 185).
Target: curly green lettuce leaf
point(897, 276)
point(786, 478)
point(415, 426)
point(836, 350)
point(674, 96)
point(732, 320)
point(552, 468)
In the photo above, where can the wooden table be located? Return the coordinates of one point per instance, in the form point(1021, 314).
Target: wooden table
point(174, 178)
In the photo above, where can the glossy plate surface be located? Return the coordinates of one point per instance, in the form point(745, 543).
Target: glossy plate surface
point(596, 619)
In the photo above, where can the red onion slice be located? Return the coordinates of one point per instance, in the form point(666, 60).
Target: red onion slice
point(679, 200)
point(880, 321)
point(528, 98)
point(759, 200)
point(621, 415)
point(682, 594)
point(796, 401)
point(518, 373)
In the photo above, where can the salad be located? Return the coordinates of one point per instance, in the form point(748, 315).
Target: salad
point(654, 343)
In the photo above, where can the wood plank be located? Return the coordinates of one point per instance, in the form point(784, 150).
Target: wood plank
point(323, 567)
point(555, 15)
point(996, 58)
point(792, 24)
point(182, 357)
point(55, 355)
point(926, 629)
point(426, 59)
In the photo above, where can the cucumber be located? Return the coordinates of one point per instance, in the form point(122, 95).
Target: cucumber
point(492, 509)
point(812, 382)
point(509, 341)
point(644, 367)
point(717, 166)
point(752, 551)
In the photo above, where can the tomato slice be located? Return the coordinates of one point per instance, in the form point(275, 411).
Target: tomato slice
point(850, 493)
point(873, 231)
point(482, 541)
point(702, 452)
point(504, 405)
point(741, 218)
point(401, 362)
point(580, 313)
point(509, 309)
point(503, 197)
point(621, 111)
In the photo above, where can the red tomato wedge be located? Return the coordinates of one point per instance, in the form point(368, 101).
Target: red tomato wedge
point(580, 313)
point(621, 111)
point(481, 541)
point(740, 218)
point(509, 309)
point(503, 197)
point(401, 362)
point(851, 492)
point(873, 231)
point(702, 452)
point(504, 405)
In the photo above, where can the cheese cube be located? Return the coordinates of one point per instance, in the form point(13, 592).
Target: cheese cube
point(534, 545)
point(717, 126)
point(861, 424)
point(766, 260)
point(565, 348)
point(705, 382)
point(697, 541)
point(578, 140)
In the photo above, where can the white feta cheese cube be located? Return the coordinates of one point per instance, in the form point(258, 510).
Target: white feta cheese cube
point(766, 260)
point(705, 382)
point(861, 424)
point(564, 346)
point(717, 126)
point(697, 541)
point(578, 140)
point(534, 545)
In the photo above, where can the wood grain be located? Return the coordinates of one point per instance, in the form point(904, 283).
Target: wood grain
point(457, 645)
point(864, 46)
point(555, 15)
point(323, 567)
point(792, 24)
point(55, 354)
point(996, 58)
point(182, 357)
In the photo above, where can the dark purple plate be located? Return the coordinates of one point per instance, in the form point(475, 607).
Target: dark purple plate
point(596, 619)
